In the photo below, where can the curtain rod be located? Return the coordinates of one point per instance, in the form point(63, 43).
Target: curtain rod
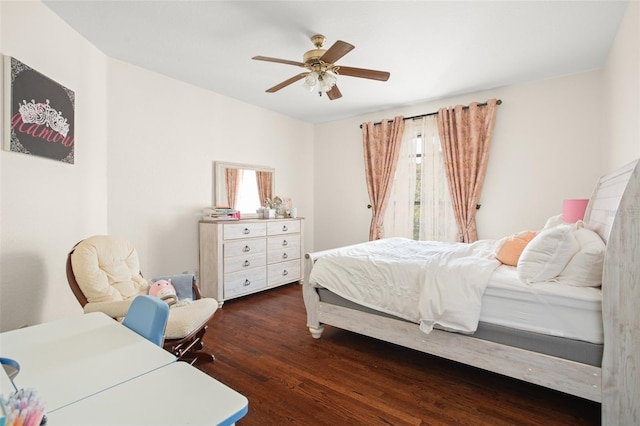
point(498, 102)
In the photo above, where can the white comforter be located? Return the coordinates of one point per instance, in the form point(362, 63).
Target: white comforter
point(426, 282)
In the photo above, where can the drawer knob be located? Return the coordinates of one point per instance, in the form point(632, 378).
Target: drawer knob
point(285, 255)
point(246, 263)
point(246, 283)
point(246, 231)
point(285, 273)
point(285, 243)
point(246, 249)
point(284, 228)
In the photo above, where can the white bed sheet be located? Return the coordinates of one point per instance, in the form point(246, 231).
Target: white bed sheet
point(550, 308)
point(434, 283)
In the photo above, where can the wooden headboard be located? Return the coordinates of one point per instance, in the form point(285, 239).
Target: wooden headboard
point(605, 200)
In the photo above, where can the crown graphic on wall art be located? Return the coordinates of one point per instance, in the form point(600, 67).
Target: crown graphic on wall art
point(42, 113)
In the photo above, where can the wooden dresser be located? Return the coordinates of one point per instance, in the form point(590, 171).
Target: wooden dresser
point(250, 255)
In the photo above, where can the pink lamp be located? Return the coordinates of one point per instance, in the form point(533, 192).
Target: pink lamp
point(573, 210)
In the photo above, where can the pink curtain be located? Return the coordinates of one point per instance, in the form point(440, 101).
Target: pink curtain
point(465, 135)
point(264, 186)
point(381, 143)
point(233, 178)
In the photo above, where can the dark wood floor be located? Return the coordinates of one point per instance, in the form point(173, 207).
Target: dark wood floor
point(264, 351)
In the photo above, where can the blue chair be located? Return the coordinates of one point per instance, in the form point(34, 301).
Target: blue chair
point(148, 317)
point(12, 368)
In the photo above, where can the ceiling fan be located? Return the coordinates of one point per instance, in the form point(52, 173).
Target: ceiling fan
point(322, 71)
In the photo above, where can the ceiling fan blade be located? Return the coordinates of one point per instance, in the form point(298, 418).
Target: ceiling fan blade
point(279, 61)
point(337, 51)
point(334, 93)
point(364, 73)
point(287, 82)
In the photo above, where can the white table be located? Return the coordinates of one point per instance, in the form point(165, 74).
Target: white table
point(92, 370)
point(177, 394)
point(70, 359)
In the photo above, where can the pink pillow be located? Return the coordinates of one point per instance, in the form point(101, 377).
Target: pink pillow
point(510, 248)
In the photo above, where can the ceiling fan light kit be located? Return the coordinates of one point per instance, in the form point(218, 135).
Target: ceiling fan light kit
point(310, 81)
point(322, 72)
point(321, 82)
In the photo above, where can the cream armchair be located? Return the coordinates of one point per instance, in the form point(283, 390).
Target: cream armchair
point(104, 275)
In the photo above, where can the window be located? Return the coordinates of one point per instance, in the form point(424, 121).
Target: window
point(248, 197)
point(420, 205)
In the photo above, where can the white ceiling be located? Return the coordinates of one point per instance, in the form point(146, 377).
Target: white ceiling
point(433, 49)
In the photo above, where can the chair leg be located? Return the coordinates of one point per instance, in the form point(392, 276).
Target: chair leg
point(196, 358)
point(190, 349)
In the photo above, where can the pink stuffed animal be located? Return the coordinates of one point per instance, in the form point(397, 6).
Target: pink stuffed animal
point(164, 290)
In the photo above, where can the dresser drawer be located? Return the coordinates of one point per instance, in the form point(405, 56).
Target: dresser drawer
point(239, 263)
point(244, 282)
point(283, 227)
point(282, 255)
point(244, 247)
point(234, 231)
point(283, 241)
point(283, 272)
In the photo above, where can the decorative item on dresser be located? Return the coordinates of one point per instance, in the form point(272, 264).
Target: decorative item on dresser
point(248, 256)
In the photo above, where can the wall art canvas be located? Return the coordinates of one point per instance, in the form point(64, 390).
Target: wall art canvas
point(39, 114)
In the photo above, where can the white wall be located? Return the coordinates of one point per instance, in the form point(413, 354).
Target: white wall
point(622, 92)
point(552, 140)
point(143, 166)
point(547, 145)
point(164, 136)
point(48, 206)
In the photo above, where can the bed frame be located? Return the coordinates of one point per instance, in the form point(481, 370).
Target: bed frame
point(614, 212)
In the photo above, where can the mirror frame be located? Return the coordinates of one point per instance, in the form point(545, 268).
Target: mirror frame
point(219, 179)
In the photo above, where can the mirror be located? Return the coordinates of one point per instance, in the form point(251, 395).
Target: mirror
point(243, 182)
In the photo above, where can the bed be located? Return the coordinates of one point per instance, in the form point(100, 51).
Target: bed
point(599, 362)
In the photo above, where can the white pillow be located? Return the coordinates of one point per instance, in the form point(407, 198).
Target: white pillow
point(553, 221)
point(546, 256)
point(585, 268)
